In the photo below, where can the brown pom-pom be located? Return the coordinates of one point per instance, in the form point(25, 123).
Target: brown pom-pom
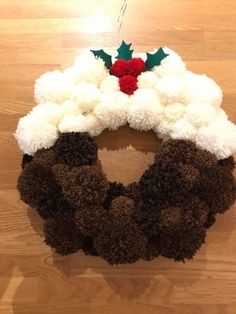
point(46, 156)
point(92, 220)
point(228, 163)
point(176, 151)
point(115, 189)
point(54, 206)
point(121, 245)
point(25, 160)
point(189, 174)
point(62, 234)
point(76, 149)
point(36, 184)
point(133, 191)
point(217, 187)
point(122, 207)
point(147, 220)
point(170, 219)
point(183, 243)
point(82, 186)
point(204, 159)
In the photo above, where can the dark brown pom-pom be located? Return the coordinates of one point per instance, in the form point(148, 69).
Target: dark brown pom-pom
point(92, 220)
point(62, 234)
point(121, 245)
point(217, 187)
point(36, 184)
point(122, 207)
point(83, 186)
point(228, 163)
point(76, 149)
point(25, 160)
point(115, 189)
point(183, 243)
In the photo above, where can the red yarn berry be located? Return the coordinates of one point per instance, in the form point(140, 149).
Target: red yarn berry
point(119, 68)
point(136, 66)
point(128, 84)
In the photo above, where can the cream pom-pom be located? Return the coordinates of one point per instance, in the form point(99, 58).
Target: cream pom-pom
point(141, 55)
point(112, 110)
point(87, 69)
point(52, 87)
point(110, 84)
point(182, 129)
point(70, 108)
point(199, 114)
point(33, 134)
point(219, 137)
point(174, 112)
point(163, 129)
point(169, 89)
point(145, 110)
point(200, 88)
point(81, 123)
point(86, 96)
point(147, 79)
point(48, 112)
point(172, 64)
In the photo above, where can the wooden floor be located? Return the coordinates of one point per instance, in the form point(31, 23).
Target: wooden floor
point(39, 35)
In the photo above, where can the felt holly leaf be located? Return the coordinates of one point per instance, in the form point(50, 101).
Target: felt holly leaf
point(155, 58)
point(104, 56)
point(124, 51)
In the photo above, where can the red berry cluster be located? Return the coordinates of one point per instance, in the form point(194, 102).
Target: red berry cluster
point(127, 72)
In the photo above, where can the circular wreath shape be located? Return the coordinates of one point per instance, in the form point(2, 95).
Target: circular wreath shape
point(167, 212)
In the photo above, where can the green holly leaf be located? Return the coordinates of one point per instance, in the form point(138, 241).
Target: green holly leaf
point(155, 58)
point(104, 56)
point(124, 51)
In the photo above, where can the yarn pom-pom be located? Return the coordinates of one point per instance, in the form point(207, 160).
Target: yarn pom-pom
point(128, 84)
point(119, 68)
point(136, 66)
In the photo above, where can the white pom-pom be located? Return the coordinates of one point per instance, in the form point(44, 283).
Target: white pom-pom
point(48, 112)
point(174, 112)
point(199, 114)
point(33, 134)
point(200, 88)
point(172, 64)
point(145, 110)
point(87, 69)
point(86, 96)
point(52, 87)
point(219, 137)
point(147, 79)
point(112, 110)
point(80, 123)
point(110, 84)
point(70, 108)
point(169, 89)
point(182, 129)
point(141, 55)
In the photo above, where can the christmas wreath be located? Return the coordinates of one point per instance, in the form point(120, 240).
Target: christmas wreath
point(168, 211)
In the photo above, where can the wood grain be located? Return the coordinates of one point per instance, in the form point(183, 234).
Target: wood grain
point(36, 36)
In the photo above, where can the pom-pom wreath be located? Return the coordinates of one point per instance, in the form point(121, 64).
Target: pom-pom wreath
point(128, 84)
point(169, 209)
point(76, 149)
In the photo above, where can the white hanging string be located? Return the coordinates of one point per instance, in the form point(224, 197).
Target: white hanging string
point(120, 19)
